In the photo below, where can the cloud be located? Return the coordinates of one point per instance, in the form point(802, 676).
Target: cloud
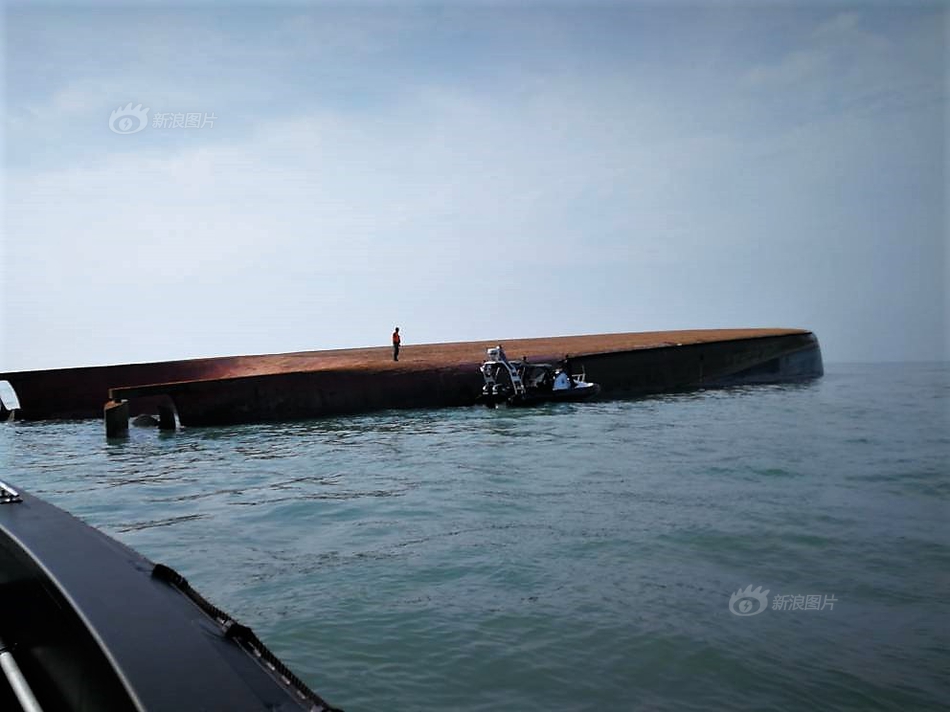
point(452, 194)
point(794, 68)
point(569, 191)
point(831, 53)
point(844, 24)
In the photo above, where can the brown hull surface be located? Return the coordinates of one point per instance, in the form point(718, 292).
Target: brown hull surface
point(247, 389)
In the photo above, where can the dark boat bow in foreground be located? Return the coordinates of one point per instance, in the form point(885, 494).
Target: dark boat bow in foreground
point(94, 626)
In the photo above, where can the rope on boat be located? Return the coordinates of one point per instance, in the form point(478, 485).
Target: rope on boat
point(243, 636)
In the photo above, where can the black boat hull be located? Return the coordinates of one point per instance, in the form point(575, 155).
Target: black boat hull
point(566, 395)
point(95, 626)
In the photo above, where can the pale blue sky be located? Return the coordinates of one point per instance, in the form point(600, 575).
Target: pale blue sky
point(472, 171)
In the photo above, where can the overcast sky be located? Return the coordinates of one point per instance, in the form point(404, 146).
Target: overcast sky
point(471, 172)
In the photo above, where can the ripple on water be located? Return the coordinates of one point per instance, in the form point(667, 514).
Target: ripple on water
point(568, 557)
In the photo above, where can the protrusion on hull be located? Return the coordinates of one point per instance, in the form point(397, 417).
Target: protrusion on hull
point(166, 417)
point(116, 415)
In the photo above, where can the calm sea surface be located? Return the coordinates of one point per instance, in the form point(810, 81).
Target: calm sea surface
point(569, 557)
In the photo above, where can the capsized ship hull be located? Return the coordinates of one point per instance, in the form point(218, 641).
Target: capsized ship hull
point(249, 389)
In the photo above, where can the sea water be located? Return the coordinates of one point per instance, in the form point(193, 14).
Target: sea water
point(593, 556)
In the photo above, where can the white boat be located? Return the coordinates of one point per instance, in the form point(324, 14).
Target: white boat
point(524, 383)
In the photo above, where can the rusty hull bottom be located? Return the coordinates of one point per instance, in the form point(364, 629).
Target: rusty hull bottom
point(628, 373)
point(244, 389)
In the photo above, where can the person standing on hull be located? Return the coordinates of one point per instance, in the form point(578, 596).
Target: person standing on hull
point(396, 342)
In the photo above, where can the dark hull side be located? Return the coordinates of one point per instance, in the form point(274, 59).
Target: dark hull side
point(254, 389)
point(620, 374)
point(97, 627)
point(78, 393)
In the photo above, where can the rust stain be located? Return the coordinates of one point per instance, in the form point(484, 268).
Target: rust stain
point(441, 355)
point(81, 392)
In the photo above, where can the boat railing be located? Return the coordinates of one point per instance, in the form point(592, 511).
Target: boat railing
point(8, 495)
point(21, 688)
